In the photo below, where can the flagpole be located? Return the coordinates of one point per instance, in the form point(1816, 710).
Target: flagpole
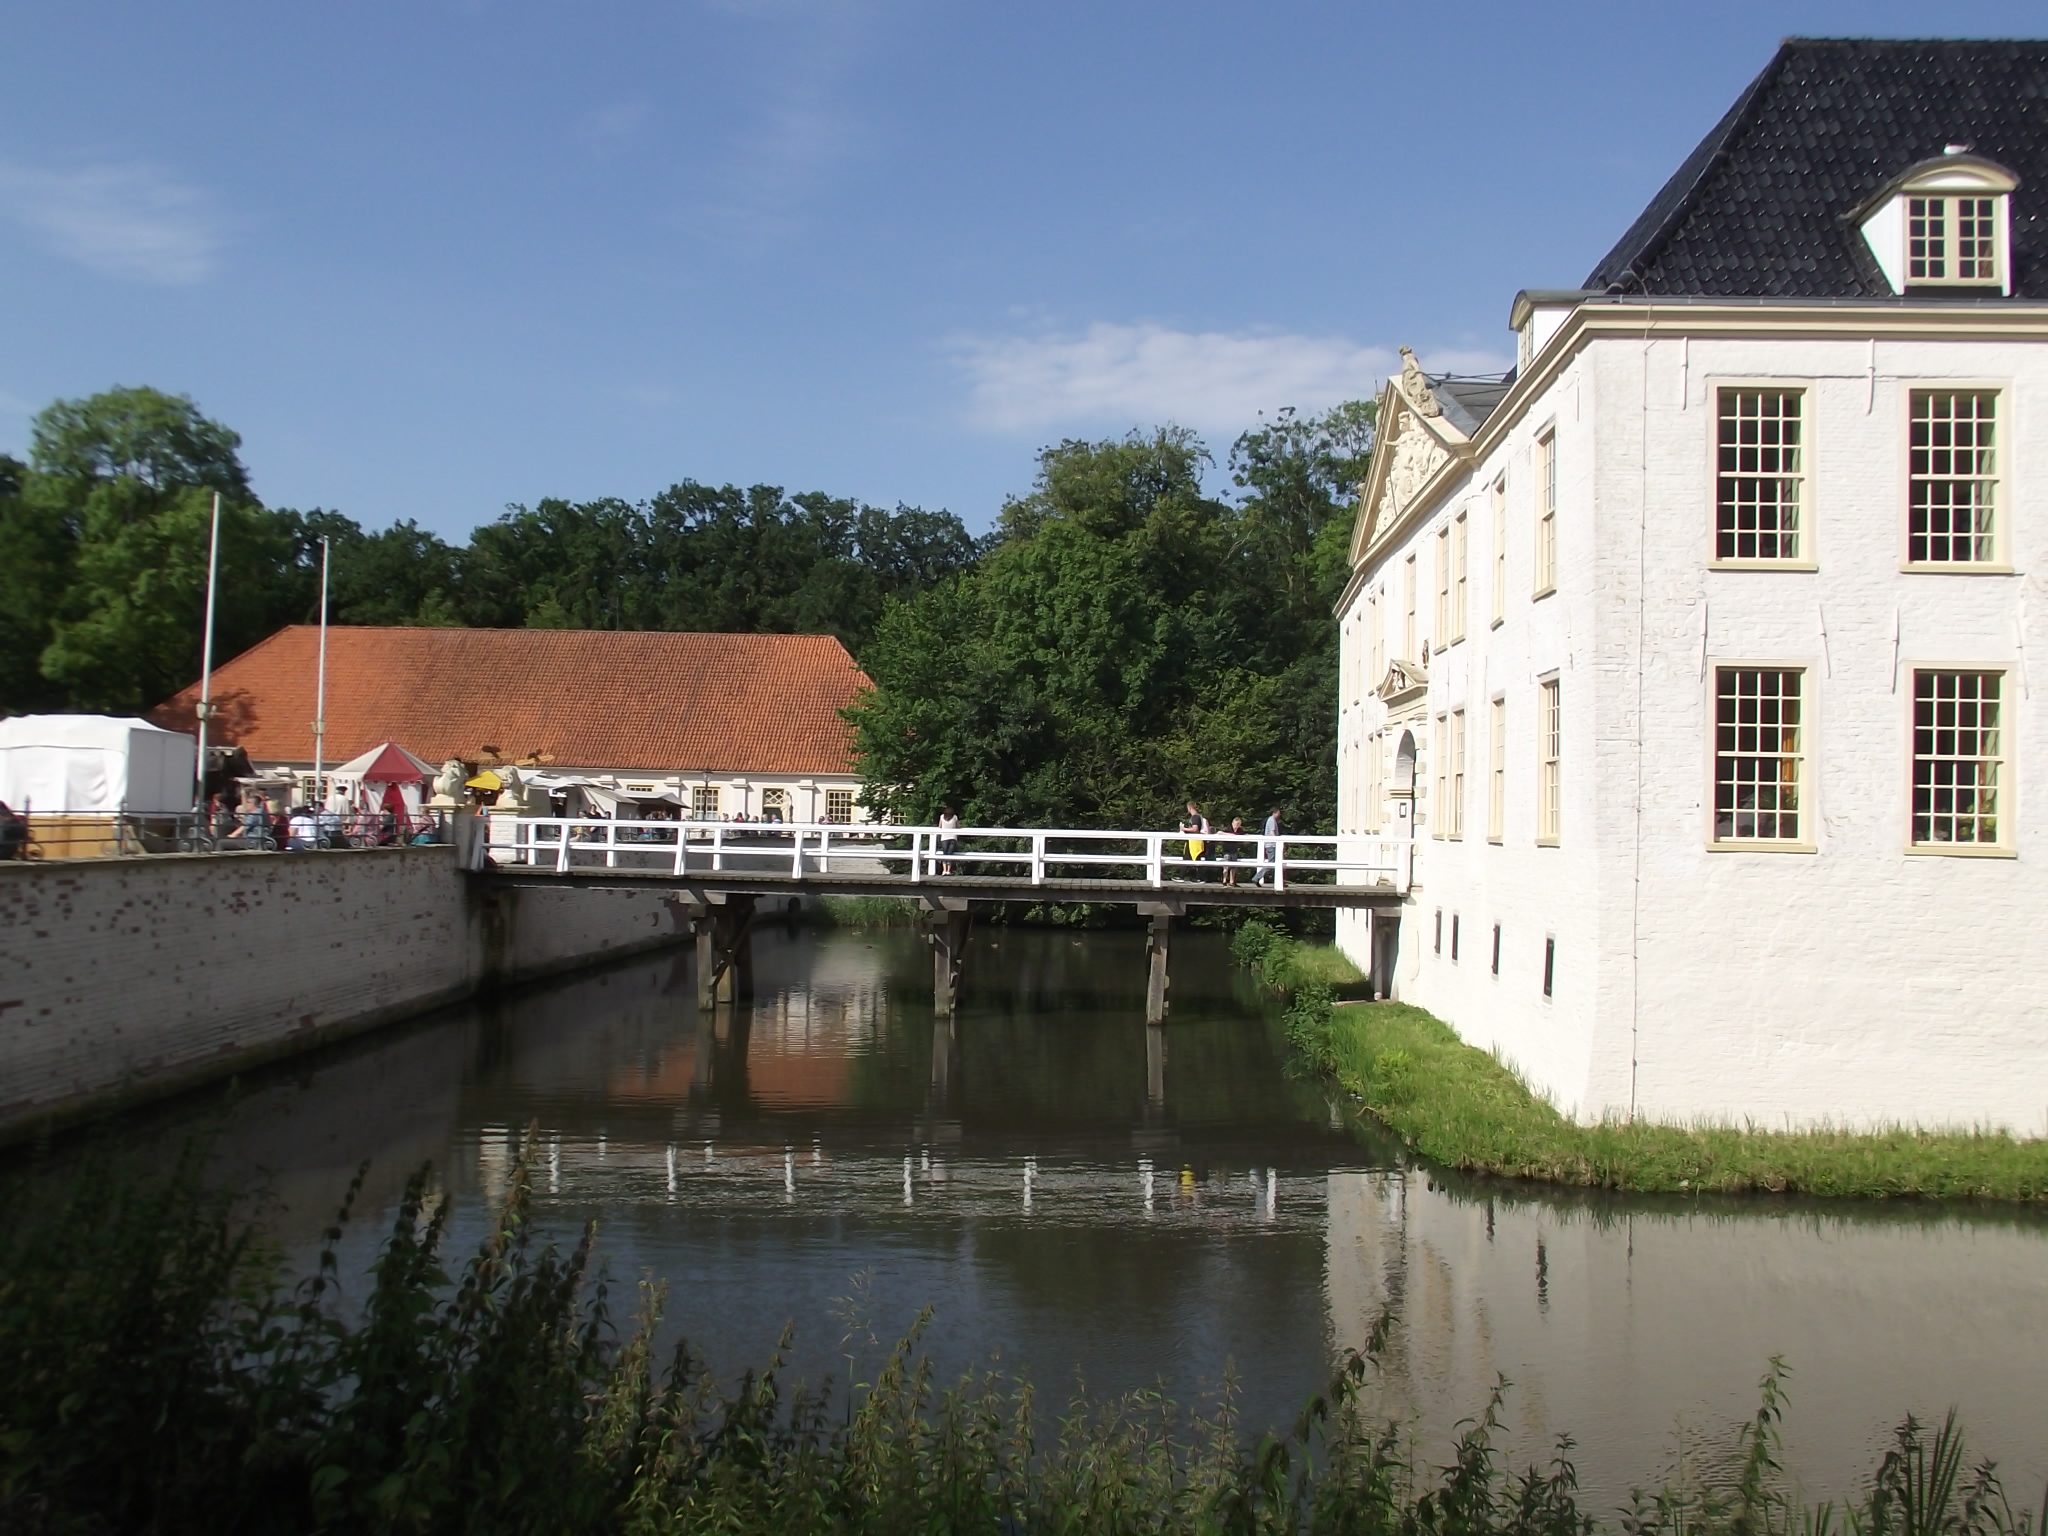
point(320, 697)
point(206, 661)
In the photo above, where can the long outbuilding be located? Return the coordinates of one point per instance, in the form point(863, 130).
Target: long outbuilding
point(723, 725)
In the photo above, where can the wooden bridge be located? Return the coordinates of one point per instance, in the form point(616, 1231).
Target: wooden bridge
point(723, 870)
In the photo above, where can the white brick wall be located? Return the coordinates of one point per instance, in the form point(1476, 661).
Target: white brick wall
point(1857, 984)
point(130, 977)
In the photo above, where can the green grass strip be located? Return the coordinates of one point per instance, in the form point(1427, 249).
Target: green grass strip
point(1464, 1108)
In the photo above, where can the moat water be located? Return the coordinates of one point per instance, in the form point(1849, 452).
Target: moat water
point(1092, 1202)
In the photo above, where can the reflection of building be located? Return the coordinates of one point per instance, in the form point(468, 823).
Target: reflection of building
point(716, 725)
point(1694, 647)
point(1637, 1329)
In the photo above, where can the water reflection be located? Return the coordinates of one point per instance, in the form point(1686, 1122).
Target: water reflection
point(1082, 1194)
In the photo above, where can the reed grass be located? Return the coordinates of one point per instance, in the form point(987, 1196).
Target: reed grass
point(868, 911)
point(1464, 1108)
point(158, 1374)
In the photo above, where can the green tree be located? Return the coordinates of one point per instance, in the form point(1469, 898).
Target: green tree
point(1131, 641)
point(105, 545)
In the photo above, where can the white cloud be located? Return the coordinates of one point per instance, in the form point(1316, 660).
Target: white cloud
point(1138, 375)
point(124, 220)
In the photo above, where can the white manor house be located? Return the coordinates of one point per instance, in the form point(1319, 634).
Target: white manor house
point(1698, 650)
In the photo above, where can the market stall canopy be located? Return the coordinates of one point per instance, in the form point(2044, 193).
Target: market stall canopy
point(484, 780)
point(95, 765)
point(388, 764)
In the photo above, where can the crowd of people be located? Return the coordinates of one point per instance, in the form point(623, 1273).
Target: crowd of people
point(253, 822)
point(1236, 844)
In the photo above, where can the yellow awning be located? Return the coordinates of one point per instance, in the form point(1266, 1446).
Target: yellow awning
point(484, 780)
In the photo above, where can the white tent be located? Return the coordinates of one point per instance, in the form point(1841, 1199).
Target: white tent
point(95, 765)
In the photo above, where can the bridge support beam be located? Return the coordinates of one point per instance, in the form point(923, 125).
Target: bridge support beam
point(1157, 980)
point(724, 931)
point(947, 935)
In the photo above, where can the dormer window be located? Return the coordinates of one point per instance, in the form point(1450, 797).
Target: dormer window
point(1943, 224)
point(1952, 239)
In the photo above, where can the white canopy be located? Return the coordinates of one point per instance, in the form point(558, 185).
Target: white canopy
point(95, 765)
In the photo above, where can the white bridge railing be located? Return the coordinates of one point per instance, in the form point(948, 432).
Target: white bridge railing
point(919, 856)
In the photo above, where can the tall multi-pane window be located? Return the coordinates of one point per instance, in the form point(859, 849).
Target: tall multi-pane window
point(1442, 632)
point(1546, 513)
point(1952, 477)
point(1497, 778)
point(839, 805)
point(1760, 479)
point(704, 801)
point(1408, 651)
point(1441, 756)
point(1952, 240)
point(1454, 804)
point(1461, 546)
point(1958, 758)
point(1549, 765)
point(1375, 782)
point(1759, 751)
point(1500, 548)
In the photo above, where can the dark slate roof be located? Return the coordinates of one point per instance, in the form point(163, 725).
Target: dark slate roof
point(1467, 400)
point(1760, 209)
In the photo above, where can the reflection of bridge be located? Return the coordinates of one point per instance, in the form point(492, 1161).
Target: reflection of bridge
point(721, 870)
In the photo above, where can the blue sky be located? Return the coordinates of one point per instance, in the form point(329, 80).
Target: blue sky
point(431, 258)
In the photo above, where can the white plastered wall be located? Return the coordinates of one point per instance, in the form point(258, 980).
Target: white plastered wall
point(1857, 984)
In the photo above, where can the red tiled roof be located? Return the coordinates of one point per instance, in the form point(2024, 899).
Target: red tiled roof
point(582, 698)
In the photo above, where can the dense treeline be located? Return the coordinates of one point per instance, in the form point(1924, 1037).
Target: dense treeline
point(103, 559)
point(1130, 641)
point(1122, 641)
point(159, 1372)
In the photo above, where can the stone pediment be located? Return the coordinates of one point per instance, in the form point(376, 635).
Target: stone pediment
point(1416, 439)
point(1404, 680)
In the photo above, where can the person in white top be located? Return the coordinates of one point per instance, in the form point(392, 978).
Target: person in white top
point(949, 841)
point(1269, 853)
point(305, 828)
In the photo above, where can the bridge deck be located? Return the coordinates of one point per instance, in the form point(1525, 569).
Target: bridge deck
point(948, 891)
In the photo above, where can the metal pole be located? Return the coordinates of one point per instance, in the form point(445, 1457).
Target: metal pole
point(206, 660)
point(320, 696)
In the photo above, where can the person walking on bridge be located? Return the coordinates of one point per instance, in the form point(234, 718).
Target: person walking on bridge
point(949, 837)
point(1269, 851)
point(1196, 829)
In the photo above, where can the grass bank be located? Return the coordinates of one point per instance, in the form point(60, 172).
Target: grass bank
point(158, 1373)
point(1463, 1108)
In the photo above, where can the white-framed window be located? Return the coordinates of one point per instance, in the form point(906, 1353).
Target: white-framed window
point(1953, 240)
point(1499, 497)
point(1546, 513)
point(1378, 620)
point(1454, 801)
point(1497, 777)
point(704, 801)
point(839, 805)
point(1442, 632)
point(1461, 548)
point(1440, 821)
point(775, 805)
point(1759, 754)
point(1375, 782)
point(1408, 651)
point(1952, 478)
point(1549, 761)
point(1760, 475)
point(1959, 765)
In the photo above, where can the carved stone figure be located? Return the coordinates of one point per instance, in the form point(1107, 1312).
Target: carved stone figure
point(1417, 454)
point(447, 787)
point(1416, 386)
